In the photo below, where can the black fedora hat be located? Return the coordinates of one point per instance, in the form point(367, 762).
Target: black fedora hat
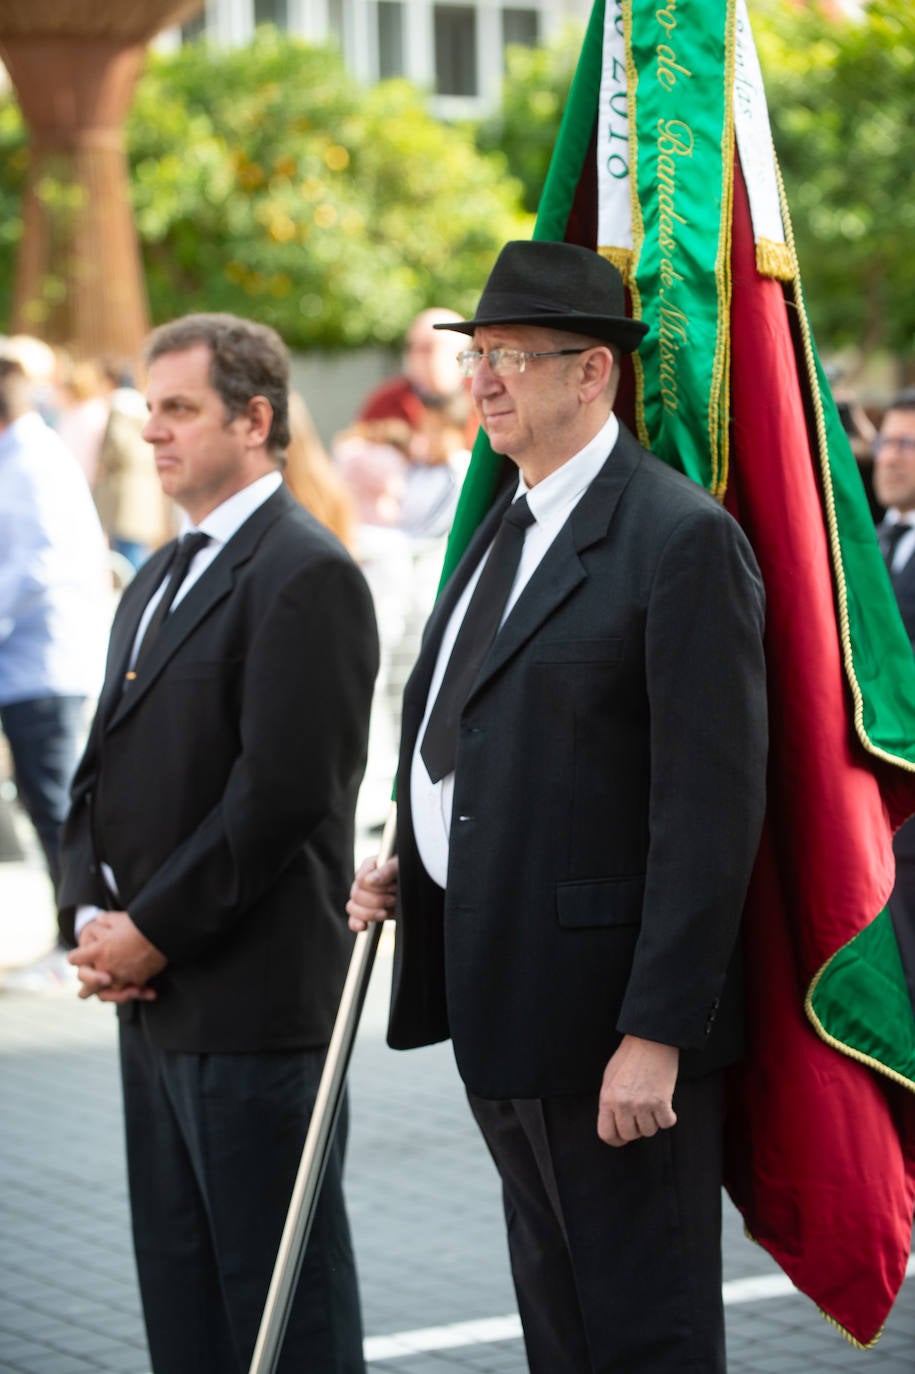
point(556, 286)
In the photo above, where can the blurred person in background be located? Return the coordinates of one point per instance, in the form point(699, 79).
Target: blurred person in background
point(894, 487)
point(39, 363)
point(430, 395)
point(83, 390)
point(311, 477)
point(55, 605)
point(406, 454)
point(135, 516)
point(404, 459)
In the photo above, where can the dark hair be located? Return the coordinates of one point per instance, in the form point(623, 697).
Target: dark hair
point(246, 360)
point(904, 401)
point(14, 391)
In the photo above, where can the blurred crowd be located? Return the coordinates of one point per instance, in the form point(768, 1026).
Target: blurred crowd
point(387, 485)
point(81, 508)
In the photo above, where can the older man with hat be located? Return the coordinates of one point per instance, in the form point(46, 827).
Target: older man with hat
point(581, 791)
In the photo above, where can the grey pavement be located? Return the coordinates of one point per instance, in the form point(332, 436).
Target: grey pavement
point(423, 1198)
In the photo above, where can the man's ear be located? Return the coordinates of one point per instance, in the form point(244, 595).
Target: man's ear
point(596, 371)
point(259, 414)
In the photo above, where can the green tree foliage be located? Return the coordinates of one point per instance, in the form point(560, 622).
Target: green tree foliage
point(266, 181)
point(14, 160)
point(840, 102)
point(534, 94)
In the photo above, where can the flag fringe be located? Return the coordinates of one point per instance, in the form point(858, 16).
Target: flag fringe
point(849, 1051)
point(832, 524)
point(775, 260)
point(621, 259)
point(852, 1340)
point(827, 1317)
point(719, 398)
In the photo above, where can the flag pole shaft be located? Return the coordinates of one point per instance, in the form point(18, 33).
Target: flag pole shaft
point(312, 1164)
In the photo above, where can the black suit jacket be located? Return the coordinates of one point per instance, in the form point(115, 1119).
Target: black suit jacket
point(904, 843)
point(221, 786)
point(609, 794)
point(904, 587)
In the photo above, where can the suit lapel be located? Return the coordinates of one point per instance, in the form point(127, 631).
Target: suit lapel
point(417, 687)
point(558, 574)
point(561, 569)
point(126, 623)
point(208, 591)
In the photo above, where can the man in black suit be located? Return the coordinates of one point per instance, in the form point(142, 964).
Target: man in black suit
point(579, 810)
point(894, 487)
point(207, 856)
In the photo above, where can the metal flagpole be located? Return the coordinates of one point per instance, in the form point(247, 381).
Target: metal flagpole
point(308, 1181)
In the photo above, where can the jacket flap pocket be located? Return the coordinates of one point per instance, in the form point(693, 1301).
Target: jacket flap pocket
point(604, 902)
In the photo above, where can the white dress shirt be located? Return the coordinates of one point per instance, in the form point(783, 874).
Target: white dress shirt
point(221, 523)
point(551, 502)
point(55, 581)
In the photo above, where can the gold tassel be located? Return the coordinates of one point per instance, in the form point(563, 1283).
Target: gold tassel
point(775, 260)
point(621, 259)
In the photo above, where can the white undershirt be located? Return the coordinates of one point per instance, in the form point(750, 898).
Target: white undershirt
point(221, 523)
point(551, 502)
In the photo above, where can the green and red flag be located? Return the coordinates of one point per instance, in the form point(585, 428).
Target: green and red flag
point(664, 163)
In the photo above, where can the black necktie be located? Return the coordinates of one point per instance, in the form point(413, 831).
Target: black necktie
point(891, 536)
point(477, 632)
point(185, 550)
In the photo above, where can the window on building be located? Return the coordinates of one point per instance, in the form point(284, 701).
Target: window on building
point(272, 12)
point(195, 27)
point(390, 38)
point(455, 50)
point(520, 27)
point(335, 20)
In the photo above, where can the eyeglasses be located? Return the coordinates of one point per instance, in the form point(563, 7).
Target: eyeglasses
point(506, 362)
point(905, 442)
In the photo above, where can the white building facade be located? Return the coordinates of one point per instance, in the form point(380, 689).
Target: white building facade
point(455, 49)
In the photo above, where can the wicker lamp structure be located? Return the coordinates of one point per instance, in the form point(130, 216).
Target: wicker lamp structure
point(74, 66)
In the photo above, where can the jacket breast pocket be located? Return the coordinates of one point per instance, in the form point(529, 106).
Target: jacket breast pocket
point(203, 669)
point(579, 651)
point(595, 903)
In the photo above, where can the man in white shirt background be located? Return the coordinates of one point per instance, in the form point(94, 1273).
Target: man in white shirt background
point(55, 610)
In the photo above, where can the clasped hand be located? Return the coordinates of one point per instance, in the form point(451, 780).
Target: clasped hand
point(115, 961)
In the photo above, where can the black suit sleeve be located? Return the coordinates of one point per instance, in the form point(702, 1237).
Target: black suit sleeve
point(705, 672)
point(303, 717)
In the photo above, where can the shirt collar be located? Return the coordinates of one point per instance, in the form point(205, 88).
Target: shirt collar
point(569, 482)
point(229, 517)
point(894, 515)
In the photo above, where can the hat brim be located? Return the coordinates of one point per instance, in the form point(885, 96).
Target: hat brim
point(620, 330)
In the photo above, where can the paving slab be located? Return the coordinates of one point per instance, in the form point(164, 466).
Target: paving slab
point(423, 1196)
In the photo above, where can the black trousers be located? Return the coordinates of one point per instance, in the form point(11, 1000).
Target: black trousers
point(44, 736)
point(213, 1145)
point(615, 1253)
